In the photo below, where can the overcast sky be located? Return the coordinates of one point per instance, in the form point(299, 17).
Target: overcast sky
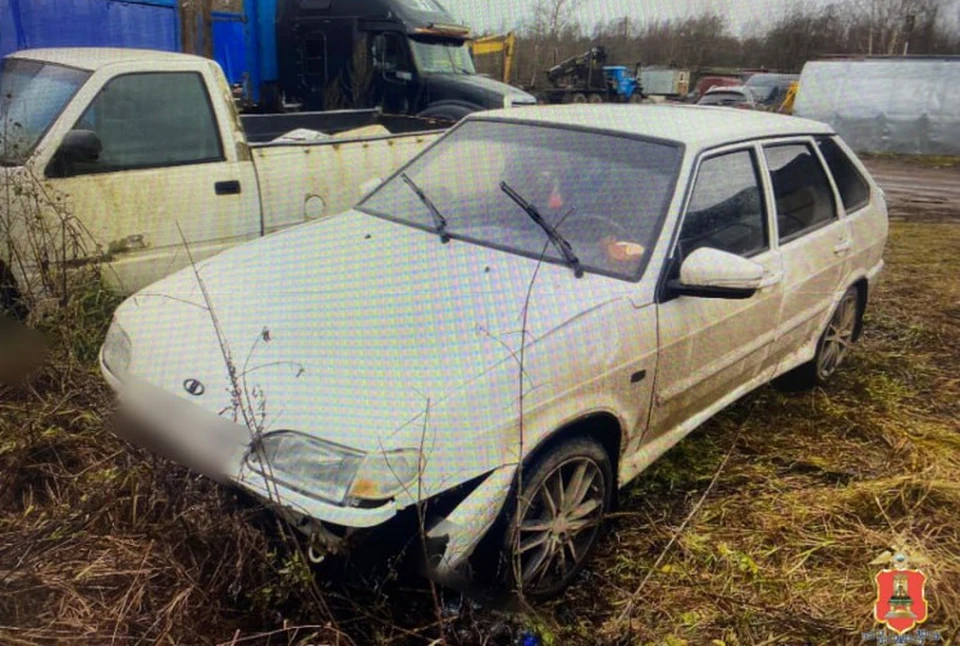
point(493, 15)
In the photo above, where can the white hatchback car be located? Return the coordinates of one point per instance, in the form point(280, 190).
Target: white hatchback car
point(572, 289)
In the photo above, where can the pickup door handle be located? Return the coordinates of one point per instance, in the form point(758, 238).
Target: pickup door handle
point(231, 187)
point(843, 247)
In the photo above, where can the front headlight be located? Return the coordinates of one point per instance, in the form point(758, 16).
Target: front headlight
point(116, 350)
point(326, 471)
point(387, 474)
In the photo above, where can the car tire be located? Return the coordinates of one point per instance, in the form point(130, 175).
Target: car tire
point(832, 347)
point(553, 525)
point(11, 300)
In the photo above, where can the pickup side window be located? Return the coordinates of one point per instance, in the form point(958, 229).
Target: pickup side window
point(151, 120)
point(854, 190)
point(801, 189)
point(726, 209)
point(390, 54)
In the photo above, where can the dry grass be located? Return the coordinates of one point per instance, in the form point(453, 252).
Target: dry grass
point(920, 161)
point(103, 544)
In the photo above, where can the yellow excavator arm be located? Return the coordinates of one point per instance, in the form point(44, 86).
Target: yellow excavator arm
point(787, 106)
point(502, 44)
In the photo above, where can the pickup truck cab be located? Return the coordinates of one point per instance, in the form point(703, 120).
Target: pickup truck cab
point(127, 154)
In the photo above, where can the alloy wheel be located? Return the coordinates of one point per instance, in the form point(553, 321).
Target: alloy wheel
point(559, 524)
point(839, 336)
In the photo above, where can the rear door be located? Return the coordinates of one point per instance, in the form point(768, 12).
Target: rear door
point(709, 348)
point(866, 216)
point(815, 242)
point(168, 173)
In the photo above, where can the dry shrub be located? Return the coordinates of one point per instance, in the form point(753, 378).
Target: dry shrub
point(103, 543)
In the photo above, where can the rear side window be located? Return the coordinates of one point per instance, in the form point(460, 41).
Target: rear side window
point(152, 120)
point(726, 209)
point(854, 190)
point(801, 189)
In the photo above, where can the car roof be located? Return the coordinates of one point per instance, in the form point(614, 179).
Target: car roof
point(697, 127)
point(95, 58)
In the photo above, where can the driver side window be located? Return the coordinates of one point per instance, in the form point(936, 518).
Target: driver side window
point(726, 210)
point(390, 54)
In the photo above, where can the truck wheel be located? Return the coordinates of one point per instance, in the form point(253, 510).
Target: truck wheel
point(11, 300)
point(595, 98)
point(579, 97)
point(636, 98)
point(446, 112)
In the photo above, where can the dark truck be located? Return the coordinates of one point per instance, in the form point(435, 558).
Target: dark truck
point(403, 56)
point(406, 57)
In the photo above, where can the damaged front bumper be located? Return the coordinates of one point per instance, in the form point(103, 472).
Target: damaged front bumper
point(453, 521)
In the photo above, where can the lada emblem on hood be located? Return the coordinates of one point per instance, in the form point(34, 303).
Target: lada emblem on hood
point(194, 387)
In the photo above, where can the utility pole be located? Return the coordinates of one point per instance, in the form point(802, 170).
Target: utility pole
point(206, 22)
point(911, 21)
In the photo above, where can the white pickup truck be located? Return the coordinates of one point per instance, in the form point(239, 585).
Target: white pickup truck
point(130, 152)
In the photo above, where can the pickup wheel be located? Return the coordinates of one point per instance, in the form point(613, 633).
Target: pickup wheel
point(832, 348)
point(11, 300)
point(554, 523)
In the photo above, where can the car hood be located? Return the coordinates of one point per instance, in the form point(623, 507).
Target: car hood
point(348, 328)
point(477, 89)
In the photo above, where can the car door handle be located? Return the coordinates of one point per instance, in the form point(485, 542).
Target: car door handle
point(842, 248)
point(231, 187)
point(769, 280)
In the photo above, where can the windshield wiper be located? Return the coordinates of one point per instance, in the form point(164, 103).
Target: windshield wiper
point(558, 240)
point(439, 222)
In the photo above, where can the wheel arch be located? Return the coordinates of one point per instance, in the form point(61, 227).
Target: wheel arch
point(11, 298)
point(602, 426)
point(451, 107)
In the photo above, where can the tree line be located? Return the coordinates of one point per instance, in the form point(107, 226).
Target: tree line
point(801, 33)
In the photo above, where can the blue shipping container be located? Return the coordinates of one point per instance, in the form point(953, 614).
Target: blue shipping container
point(152, 24)
point(229, 45)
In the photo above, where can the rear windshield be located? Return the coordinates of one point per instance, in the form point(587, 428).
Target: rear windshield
point(723, 98)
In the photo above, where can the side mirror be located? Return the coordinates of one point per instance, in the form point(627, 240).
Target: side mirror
point(80, 146)
point(711, 273)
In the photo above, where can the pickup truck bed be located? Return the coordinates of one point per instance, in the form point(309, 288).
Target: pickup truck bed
point(265, 128)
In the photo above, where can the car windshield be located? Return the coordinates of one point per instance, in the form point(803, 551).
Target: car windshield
point(32, 95)
point(442, 56)
point(604, 194)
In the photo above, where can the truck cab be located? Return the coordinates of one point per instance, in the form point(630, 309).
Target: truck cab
point(403, 56)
